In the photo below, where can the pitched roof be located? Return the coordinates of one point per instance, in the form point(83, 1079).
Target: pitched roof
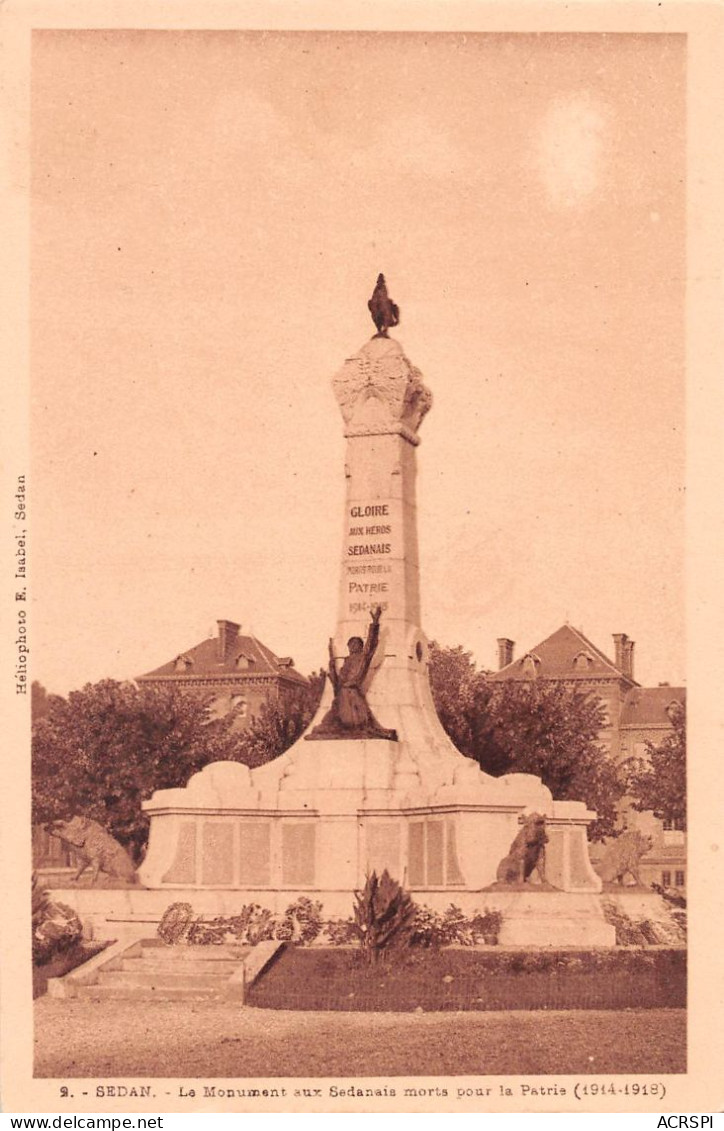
point(244, 656)
point(647, 706)
point(556, 655)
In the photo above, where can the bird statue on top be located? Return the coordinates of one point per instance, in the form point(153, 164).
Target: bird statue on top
point(385, 313)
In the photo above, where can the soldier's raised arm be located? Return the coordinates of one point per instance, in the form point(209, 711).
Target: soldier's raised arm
point(332, 668)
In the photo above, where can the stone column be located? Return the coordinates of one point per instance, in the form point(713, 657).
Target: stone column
point(383, 401)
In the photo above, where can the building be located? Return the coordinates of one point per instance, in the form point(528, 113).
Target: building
point(231, 671)
point(634, 715)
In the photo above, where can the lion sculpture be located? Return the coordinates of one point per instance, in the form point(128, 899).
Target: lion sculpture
point(96, 848)
point(527, 853)
point(623, 856)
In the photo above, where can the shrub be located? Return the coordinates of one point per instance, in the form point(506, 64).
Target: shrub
point(428, 928)
point(679, 918)
point(341, 932)
point(628, 933)
point(384, 915)
point(302, 922)
point(667, 931)
point(453, 927)
point(56, 927)
point(672, 896)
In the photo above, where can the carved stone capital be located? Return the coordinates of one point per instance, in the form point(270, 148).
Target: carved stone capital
point(379, 391)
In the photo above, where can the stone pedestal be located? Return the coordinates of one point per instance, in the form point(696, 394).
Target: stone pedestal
point(317, 829)
point(544, 918)
point(320, 817)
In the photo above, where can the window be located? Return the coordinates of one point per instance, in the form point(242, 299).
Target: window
point(666, 879)
point(583, 661)
point(678, 879)
point(244, 661)
point(531, 663)
point(676, 825)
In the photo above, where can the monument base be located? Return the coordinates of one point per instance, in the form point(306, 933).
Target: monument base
point(542, 919)
point(323, 821)
point(531, 919)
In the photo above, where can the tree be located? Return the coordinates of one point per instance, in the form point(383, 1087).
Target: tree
point(280, 723)
point(106, 748)
point(526, 727)
point(39, 701)
point(658, 781)
point(458, 690)
point(551, 731)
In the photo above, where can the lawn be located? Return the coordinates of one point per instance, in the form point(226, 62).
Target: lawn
point(81, 1038)
point(474, 978)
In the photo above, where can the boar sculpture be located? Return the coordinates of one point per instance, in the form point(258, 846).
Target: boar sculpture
point(96, 848)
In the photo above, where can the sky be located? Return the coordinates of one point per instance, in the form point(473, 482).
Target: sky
point(209, 213)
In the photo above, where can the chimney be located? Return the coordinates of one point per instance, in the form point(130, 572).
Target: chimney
point(505, 652)
point(228, 632)
point(619, 644)
point(624, 653)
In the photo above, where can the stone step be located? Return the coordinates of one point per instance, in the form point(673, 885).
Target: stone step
point(226, 953)
point(187, 966)
point(133, 992)
point(159, 980)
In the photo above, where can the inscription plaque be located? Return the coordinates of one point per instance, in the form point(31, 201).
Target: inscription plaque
point(452, 867)
point(416, 854)
point(255, 853)
point(434, 831)
point(217, 852)
point(298, 842)
point(183, 869)
point(383, 848)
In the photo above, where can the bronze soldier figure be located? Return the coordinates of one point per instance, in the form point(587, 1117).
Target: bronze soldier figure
point(350, 715)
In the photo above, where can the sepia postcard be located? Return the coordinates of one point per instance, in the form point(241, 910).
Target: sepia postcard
point(362, 518)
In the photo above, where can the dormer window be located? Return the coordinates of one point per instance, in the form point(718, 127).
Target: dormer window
point(183, 664)
point(673, 710)
point(531, 664)
point(583, 661)
point(243, 662)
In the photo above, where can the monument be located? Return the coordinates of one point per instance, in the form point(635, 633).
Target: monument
point(376, 782)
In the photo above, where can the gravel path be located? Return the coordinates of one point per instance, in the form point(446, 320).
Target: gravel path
point(201, 1039)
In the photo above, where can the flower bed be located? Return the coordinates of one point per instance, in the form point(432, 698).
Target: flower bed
point(473, 979)
point(302, 923)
